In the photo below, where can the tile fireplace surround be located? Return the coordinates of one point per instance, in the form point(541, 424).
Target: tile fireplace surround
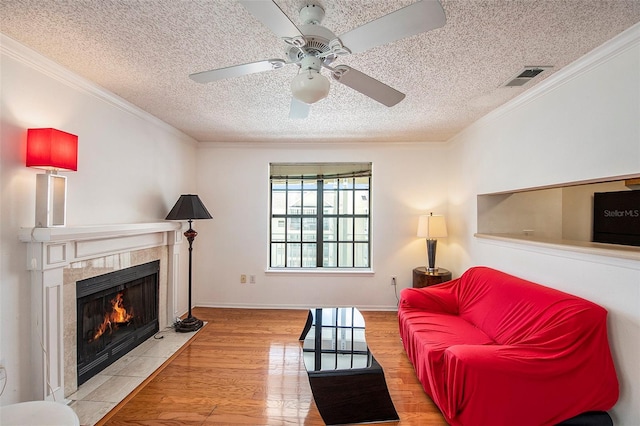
point(58, 257)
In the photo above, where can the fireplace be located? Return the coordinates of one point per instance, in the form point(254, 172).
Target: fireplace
point(60, 258)
point(116, 312)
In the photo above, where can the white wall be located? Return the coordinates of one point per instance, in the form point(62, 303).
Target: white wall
point(408, 180)
point(131, 168)
point(583, 124)
point(537, 213)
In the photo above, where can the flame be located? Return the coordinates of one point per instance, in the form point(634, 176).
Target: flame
point(118, 315)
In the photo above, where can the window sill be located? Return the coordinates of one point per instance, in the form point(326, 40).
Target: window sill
point(580, 247)
point(321, 271)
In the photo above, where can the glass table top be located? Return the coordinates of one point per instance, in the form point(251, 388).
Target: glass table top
point(335, 340)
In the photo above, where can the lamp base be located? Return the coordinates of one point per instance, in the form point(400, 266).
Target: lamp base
point(431, 254)
point(188, 325)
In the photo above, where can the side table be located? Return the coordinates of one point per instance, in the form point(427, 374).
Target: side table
point(424, 278)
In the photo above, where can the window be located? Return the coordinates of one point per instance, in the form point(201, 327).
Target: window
point(320, 215)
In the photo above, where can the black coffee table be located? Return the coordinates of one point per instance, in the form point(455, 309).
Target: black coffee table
point(347, 382)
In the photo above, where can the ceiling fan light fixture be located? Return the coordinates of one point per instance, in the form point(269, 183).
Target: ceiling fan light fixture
point(310, 86)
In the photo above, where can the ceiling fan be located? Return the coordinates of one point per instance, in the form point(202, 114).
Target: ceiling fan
point(312, 47)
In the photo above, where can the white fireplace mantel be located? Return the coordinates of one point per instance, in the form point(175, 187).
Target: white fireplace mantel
point(50, 250)
point(94, 231)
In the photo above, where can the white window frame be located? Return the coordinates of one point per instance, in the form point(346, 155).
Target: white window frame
point(359, 218)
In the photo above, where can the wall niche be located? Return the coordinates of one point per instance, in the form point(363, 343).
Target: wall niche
point(561, 214)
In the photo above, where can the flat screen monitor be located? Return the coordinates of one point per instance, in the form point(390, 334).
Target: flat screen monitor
point(616, 217)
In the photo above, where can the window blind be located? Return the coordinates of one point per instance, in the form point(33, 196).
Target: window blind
point(319, 170)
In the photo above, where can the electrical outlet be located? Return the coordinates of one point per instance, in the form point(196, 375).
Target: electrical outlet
point(393, 280)
point(243, 279)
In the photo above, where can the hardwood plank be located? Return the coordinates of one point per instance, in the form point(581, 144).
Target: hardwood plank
point(245, 367)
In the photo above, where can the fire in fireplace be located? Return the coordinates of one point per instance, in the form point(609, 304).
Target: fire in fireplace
point(116, 312)
point(114, 317)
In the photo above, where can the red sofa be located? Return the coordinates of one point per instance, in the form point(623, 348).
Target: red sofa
point(493, 349)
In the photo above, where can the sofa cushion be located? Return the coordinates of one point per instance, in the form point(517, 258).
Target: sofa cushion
point(430, 335)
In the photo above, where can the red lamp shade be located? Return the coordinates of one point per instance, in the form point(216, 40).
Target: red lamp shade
point(52, 149)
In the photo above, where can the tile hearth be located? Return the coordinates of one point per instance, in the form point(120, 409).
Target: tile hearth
point(95, 398)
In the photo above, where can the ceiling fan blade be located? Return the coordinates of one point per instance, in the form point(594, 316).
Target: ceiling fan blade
point(270, 14)
point(367, 85)
point(298, 109)
point(414, 19)
point(237, 70)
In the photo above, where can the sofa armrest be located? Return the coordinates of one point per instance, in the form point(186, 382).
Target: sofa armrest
point(440, 298)
point(531, 383)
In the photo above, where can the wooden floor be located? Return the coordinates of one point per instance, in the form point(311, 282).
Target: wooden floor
point(245, 368)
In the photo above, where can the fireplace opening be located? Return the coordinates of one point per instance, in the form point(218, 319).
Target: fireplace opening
point(116, 312)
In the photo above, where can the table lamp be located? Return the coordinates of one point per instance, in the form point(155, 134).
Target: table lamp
point(51, 150)
point(431, 227)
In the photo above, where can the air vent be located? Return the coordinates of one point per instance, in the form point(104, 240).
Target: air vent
point(525, 75)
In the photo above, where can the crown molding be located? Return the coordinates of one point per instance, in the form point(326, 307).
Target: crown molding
point(320, 145)
point(32, 59)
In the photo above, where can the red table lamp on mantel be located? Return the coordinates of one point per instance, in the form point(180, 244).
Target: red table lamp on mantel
point(189, 207)
point(52, 150)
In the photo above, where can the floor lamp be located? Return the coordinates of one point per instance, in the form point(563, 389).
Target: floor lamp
point(189, 207)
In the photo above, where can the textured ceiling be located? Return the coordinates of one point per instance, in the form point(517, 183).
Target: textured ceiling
point(144, 50)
